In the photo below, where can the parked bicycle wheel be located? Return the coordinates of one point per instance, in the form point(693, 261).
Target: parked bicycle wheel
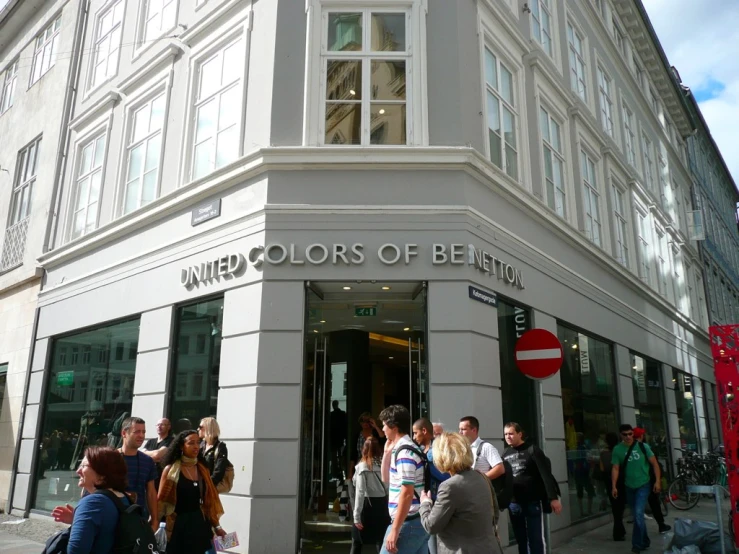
point(679, 496)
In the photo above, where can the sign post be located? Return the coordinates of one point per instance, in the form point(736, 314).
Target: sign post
point(725, 350)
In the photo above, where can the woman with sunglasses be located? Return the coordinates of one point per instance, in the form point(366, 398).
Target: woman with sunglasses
point(212, 450)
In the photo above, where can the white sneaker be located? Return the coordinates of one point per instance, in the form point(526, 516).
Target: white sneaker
point(647, 516)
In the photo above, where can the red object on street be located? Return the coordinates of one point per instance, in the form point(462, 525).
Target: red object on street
point(538, 354)
point(725, 349)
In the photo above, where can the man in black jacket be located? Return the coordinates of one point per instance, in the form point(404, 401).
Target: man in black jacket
point(535, 490)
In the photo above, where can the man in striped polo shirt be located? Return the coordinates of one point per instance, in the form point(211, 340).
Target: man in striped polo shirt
point(405, 535)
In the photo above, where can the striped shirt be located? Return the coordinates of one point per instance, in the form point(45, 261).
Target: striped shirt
point(489, 456)
point(406, 468)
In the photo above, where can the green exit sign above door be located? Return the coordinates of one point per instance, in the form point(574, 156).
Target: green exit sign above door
point(365, 311)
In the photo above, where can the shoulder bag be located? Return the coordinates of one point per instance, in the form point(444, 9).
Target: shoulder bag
point(227, 482)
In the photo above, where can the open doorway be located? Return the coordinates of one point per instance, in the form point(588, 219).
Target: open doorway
point(365, 348)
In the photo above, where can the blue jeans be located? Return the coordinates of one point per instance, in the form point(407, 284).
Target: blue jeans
point(413, 538)
point(528, 527)
point(637, 500)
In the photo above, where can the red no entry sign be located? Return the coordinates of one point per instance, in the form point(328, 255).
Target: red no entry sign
point(539, 354)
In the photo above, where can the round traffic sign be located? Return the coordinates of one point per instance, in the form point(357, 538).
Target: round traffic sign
point(538, 354)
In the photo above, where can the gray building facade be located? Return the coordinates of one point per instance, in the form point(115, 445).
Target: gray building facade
point(271, 207)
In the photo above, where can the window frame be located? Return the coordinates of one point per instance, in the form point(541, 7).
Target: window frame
point(142, 41)
point(9, 84)
point(619, 37)
point(629, 134)
point(647, 162)
point(643, 225)
point(108, 7)
point(605, 101)
point(23, 183)
point(503, 104)
point(41, 42)
point(621, 243)
point(662, 259)
point(547, 145)
point(578, 83)
point(546, 7)
point(590, 191)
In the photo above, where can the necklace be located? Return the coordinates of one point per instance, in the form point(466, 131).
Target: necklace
point(188, 472)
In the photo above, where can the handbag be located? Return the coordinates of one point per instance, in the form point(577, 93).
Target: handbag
point(57, 543)
point(227, 482)
point(375, 515)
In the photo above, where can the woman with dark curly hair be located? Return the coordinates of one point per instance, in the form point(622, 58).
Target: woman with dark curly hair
point(188, 498)
point(95, 519)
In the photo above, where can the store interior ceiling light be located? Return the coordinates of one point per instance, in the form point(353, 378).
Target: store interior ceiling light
point(406, 328)
point(385, 288)
point(574, 347)
point(347, 288)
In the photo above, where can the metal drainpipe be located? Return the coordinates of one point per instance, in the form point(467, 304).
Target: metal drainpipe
point(19, 435)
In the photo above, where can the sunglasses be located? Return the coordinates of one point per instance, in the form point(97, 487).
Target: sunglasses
point(626, 434)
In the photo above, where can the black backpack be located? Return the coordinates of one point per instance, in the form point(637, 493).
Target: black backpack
point(424, 461)
point(503, 485)
point(133, 535)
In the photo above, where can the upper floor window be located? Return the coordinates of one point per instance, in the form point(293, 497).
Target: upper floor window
point(648, 162)
point(577, 63)
point(107, 43)
point(541, 23)
point(367, 57)
point(666, 192)
point(218, 109)
point(551, 135)
point(8, 91)
point(619, 37)
point(591, 198)
point(25, 177)
point(644, 232)
point(159, 17)
point(45, 49)
point(88, 180)
point(619, 225)
point(678, 280)
point(144, 154)
point(638, 71)
point(663, 268)
point(501, 114)
point(606, 103)
point(629, 136)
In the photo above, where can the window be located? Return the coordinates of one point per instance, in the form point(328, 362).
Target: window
point(638, 72)
point(619, 226)
point(144, 154)
point(629, 136)
point(87, 189)
point(644, 232)
point(160, 17)
point(663, 269)
point(8, 92)
point(45, 50)
point(553, 163)
point(20, 205)
point(3, 385)
point(678, 280)
point(107, 44)
point(541, 23)
point(502, 117)
point(666, 192)
point(367, 59)
point(683, 384)
point(606, 104)
point(700, 316)
point(648, 162)
point(619, 37)
point(589, 408)
point(577, 63)
point(646, 377)
point(654, 101)
point(196, 370)
point(590, 199)
point(73, 419)
point(218, 109)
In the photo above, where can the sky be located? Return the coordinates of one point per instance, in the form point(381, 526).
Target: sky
point(701, 39)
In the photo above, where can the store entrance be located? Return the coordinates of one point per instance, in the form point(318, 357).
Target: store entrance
point(364, 350)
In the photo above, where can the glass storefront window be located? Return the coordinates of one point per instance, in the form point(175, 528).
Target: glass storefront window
point(89, 394)
point(649, 404)
point(194, 391)
point(589, 405)
point(713, 413)
point(519, 392)
point(685, 410)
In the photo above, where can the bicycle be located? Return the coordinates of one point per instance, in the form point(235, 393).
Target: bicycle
point(693, 469)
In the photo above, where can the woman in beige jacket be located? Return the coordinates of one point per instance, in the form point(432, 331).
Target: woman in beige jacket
point(463, 515)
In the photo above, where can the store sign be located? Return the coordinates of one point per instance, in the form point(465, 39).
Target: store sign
point(206, 212)
point(582, 342)
point(483, 296)
point(348, 255)
point(65, 378)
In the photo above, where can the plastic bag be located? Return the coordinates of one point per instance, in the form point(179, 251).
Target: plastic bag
point(703, 534)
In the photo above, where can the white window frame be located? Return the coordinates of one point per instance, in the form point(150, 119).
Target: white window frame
point(629, 134)
point(593, 228)
point(556, 199)
point(21, 201)
point(605, 85)
point(97, 57)
point(678, 278)
point(142, 39)
point(644, 243)
point(225, 39)
point(578, 62)
point(618, 36)
point(620, 224)
point(45, 50)
point(147, 100)
point(662, 259)
point(541, 11)
point(504, 106)
point(702, 318)
point(647, 162)
point(90, 138)
point(663, 177)
point(10, 81)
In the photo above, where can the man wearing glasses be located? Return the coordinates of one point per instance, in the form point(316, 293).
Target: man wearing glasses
point(631, 461)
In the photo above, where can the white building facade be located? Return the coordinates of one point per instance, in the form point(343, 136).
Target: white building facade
point(272, 206)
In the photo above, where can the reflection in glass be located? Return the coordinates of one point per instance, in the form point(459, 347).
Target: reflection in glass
point(388, 32)
point(589, 406)
point(344, 80)
point(197, 362)
point(343, 123)
point(388, 80)
point(387, 124)
point(685, 410)
point(90, 392)
point(344, 31)
point(649, 405)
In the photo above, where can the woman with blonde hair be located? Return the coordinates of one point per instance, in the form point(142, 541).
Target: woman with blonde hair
point(465, 511)
point(214, 452)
